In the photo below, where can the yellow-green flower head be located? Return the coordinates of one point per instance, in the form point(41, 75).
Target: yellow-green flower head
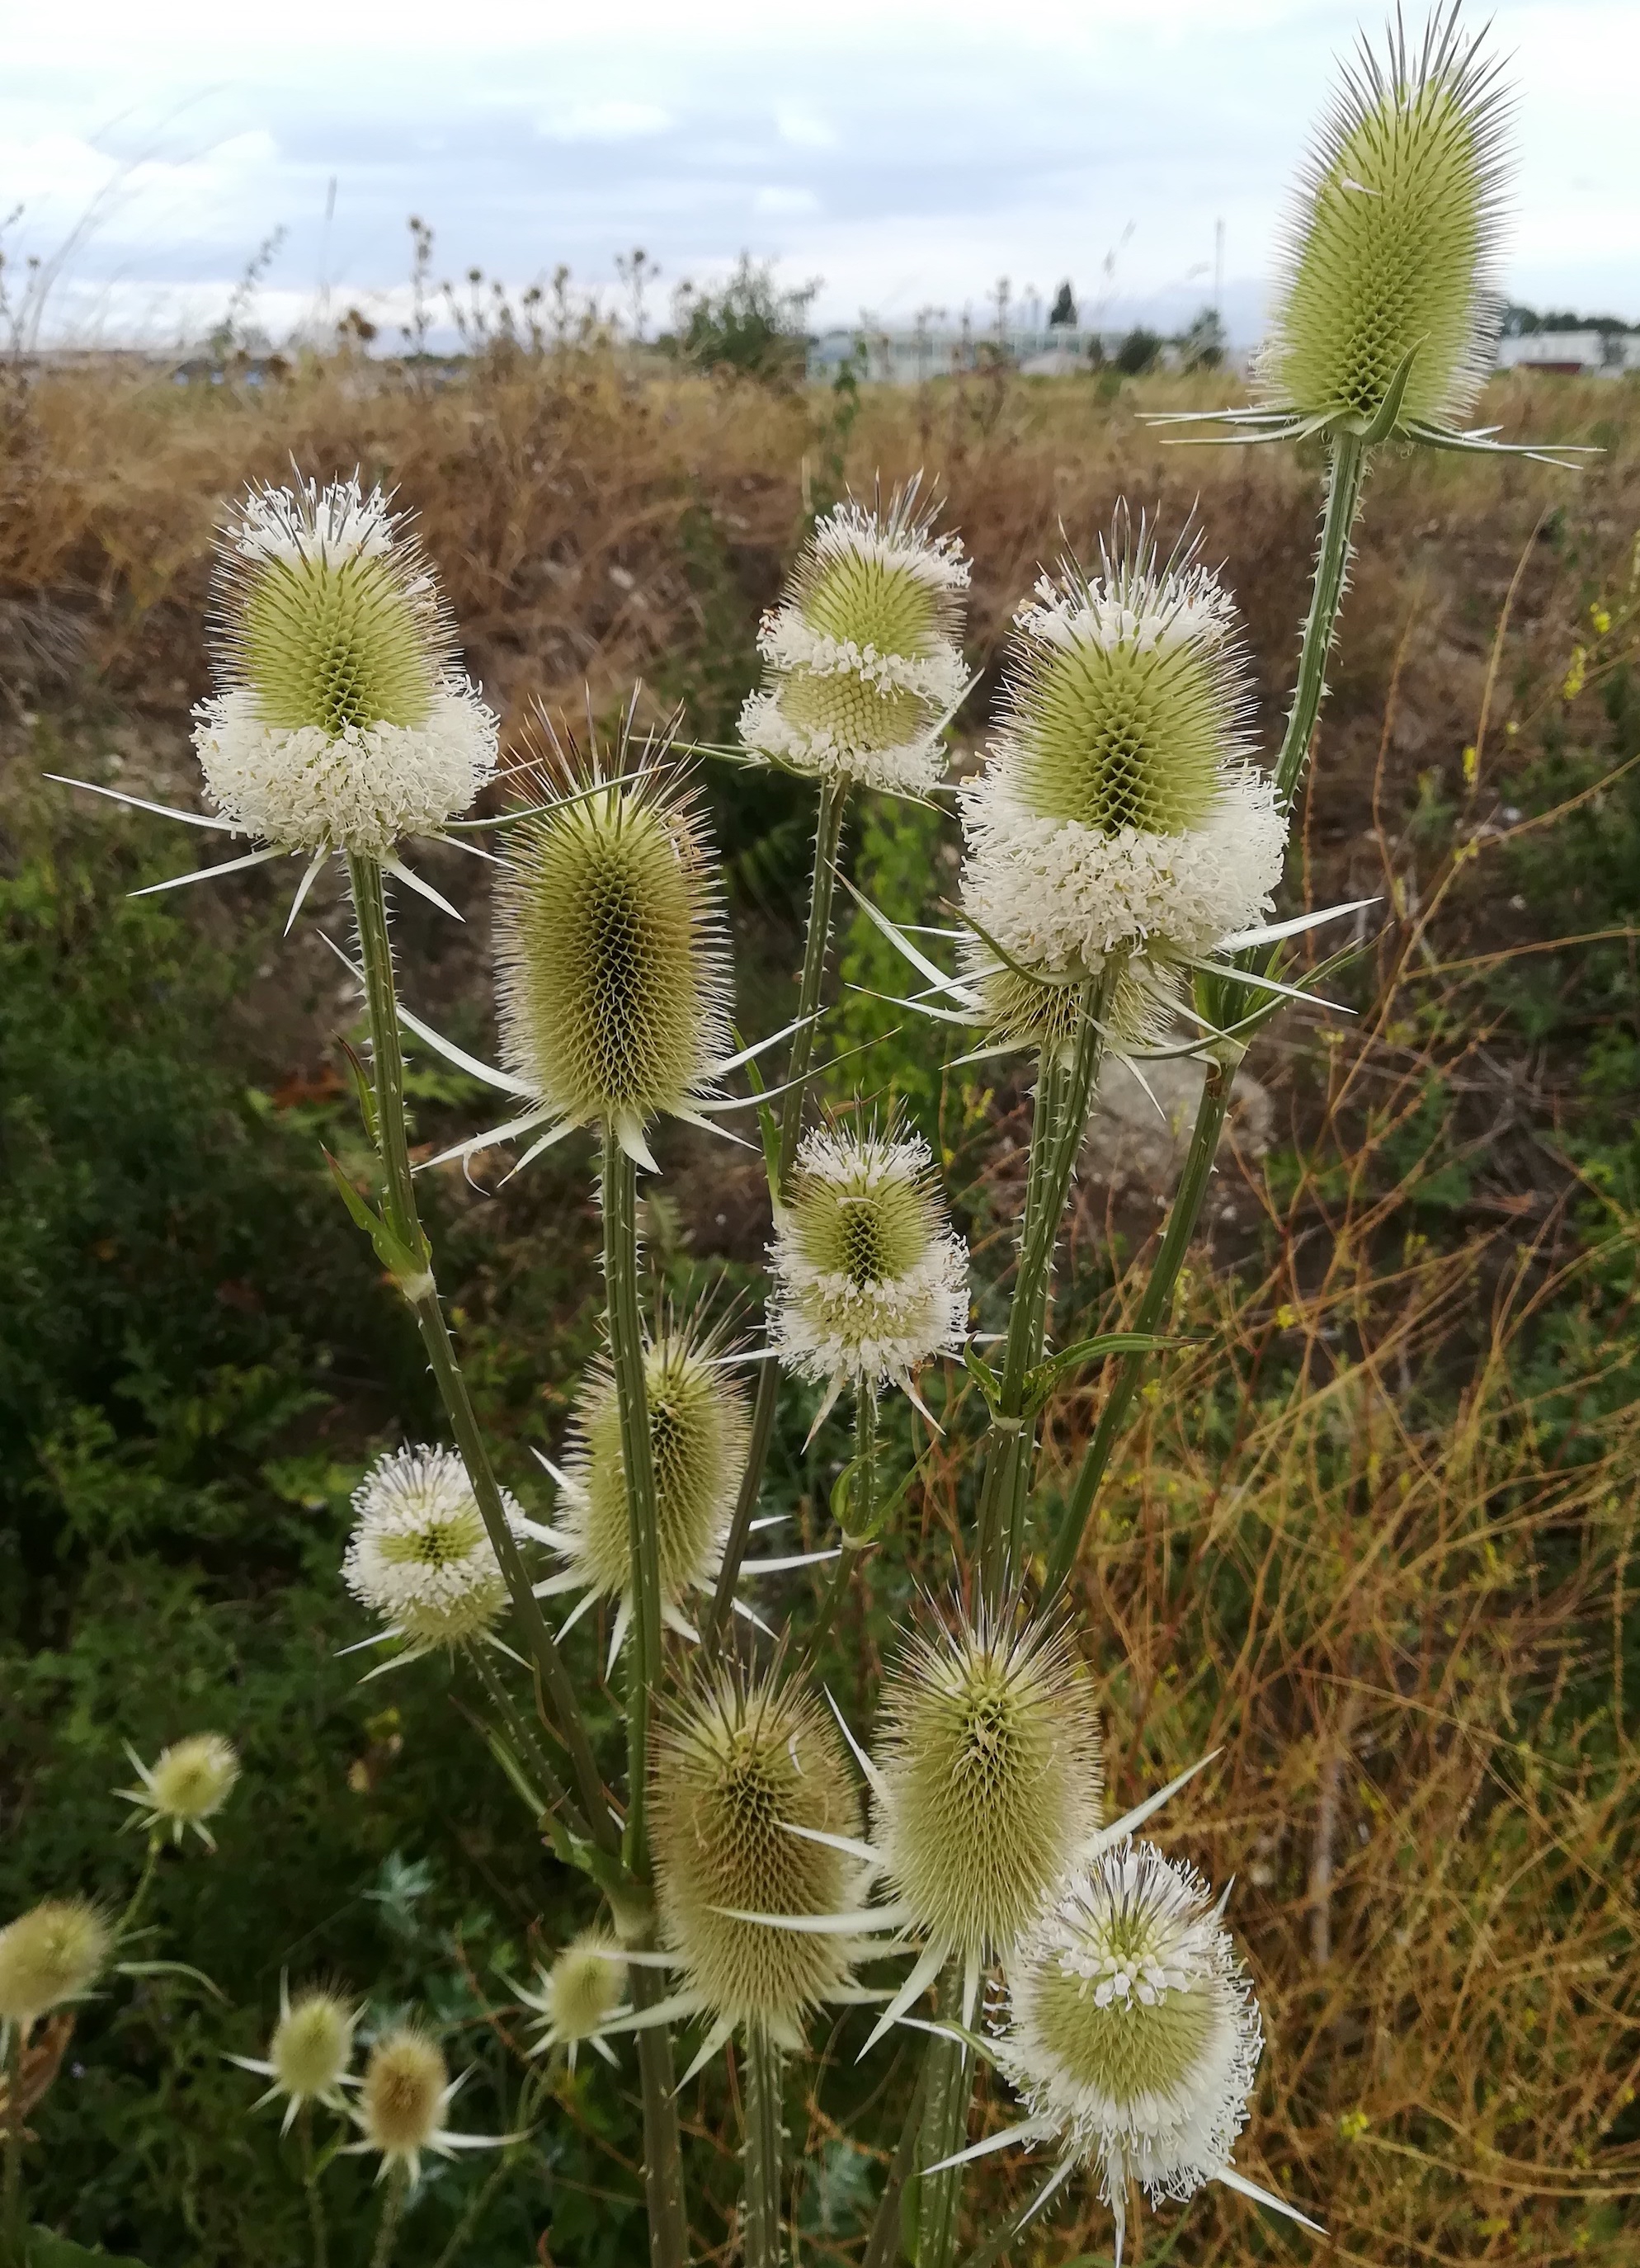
point(53, 1953)
point(1392, 241)
point(869, 1278)
point(1027, 1012)
point(341, 721)
point(988, 1782)
point(864, 653)
point(735, 1768)
point(613, 972)
point(185, 1785)
point(698, 1429)
point(1119, 809)
point(309, 2052)
point(577, 1996)
point(420, 1555)
point(1131, 2030)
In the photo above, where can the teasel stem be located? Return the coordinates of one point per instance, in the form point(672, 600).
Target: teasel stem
point(12, 2220)
point(882, 2248)
point(138, 1899)
point(949, 2088)
point(310, 2182)
point(392, 2208)
point(1346, 474)
point(762, 2238)
point(862, 1510)
point(592, 1824)
point(663, 2148)
point(833, 797)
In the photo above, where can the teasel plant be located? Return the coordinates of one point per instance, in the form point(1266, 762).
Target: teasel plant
point(759, 1864)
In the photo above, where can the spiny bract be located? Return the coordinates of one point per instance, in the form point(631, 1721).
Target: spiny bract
point(735, 1766)
point(1025, 1012)
point(1393, 240)
point(53, 1953)
point(186, 1784)
point(989, 1760)
point(420, 1554)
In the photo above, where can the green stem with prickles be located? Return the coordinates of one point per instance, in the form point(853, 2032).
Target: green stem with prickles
point(762, 2238)
point(1346, 474)
point(949, 2089)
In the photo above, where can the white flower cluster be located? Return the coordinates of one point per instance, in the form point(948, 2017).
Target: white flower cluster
point(420, 1555)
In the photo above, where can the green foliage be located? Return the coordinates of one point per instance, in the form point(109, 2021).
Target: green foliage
point(751, 327)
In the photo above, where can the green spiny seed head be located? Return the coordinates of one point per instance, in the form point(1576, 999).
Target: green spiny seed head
point(188, 1781)
point(869, 1224)
point(852, 714)
point(882, 580)
point(737, 1764)
point(312, 2046)
point(991, 1780)
point(1025, 1012)
point(583, 1988)
point(698, 1430)
point(1393, 240)
point(610, 939)
point(53, 1953)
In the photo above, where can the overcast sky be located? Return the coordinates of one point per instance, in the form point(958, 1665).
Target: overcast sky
point(906, 152)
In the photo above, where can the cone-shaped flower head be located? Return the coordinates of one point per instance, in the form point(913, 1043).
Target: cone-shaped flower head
point(1393, 240)
point(53, 1953)
point(1131, 2029)
point(738, 1765)
point(989, 1780)
point(1118, 809)
point(864, 652)
point(402, 2099)
point(420, 1555)
point(869, 1278)
point(698, 1430)
point(614, 983)
point(341, 721)
point(309, 2052)
point(185, 1785)
point(580, 1992)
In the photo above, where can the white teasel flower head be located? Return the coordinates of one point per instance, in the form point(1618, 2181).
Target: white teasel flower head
point(1131, 2030)
point(309, 2051)
point(699, 1428)
point(614, 980)
point(341, 721)
point(402, 2099)
point(737, 1765)
point(186, 1785)
point(1119, 811)
point(582, 1991)
point(54, 1952)
point(420, 1555)
point(1393, 239)
point(869, 1278)
point(864, 652)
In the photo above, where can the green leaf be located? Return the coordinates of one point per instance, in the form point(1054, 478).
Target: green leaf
point(1040, 1382)
point(46, 2250)
point(395, 1254)
point(983, 1376)
point(171, 1969)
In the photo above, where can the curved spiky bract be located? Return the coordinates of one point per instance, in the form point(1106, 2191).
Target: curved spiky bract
point(407, 2084)
point(736, 1765)
point(419, 1555)
point(864, 652)
point(1131, 2028)
point(988, 1755)
point(1022, 1010)
point(698, 1428)
point(583, 1988)
point(53, 1953)
point(312, 2047)
point(186, 1785)
point(1393, 239)
point(869, 1278)
point(1119, 805)
point(341, 721)
point(610, 940)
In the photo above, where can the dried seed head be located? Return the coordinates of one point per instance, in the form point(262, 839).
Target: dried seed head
point(420, 1555)
point(341, 721)
point(53, 1953)
point(869, 1278)
point(583, 1988)
point(737, 1764)
point(864, 651)
point(312, 2047)
point(405, 2089)
point(989, 1762)
point(1130, 2026)
point(610, 940)
point(1118, 806)
point(1393, 243)
point(185, 1785)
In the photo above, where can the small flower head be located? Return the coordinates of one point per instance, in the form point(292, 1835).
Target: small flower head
point(419, 1555)
point(610, 939)
point(53, 1953)
point(869, 1278)
point(1393, 242)
point(309, 2052)
point(1118, 809)
point(738, 1765)
point(864, 651)
point(1131, 2030)
point(988, 1765)
point(1027, 1012)
point(406, 2087)
point(185, 1785)
point(341, 721)
point(580, 1992)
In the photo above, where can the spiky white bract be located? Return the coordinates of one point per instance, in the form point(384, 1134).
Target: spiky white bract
point(54, 1952)
point(864, 652)
point(402, 2099)
point(309, 2051)
point(737, 1766)
point(341, 721)
point(1119, 810)
point(420, 1555)
point(578, 1994)
point(186, 1785)
point(869, 1278)
point(1393, 238)
point(1131, 2030)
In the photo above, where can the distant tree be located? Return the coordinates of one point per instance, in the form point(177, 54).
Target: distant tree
point(1063, 315)
point(751, 325)
point(1202, 347)
point(1138, 352)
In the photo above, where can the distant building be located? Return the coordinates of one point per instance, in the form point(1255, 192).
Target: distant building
point(911, 358)
point(1572, 354)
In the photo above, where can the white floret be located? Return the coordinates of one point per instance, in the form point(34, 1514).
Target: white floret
point(851, 527)
point(335, 523)
point(786, 641)
point(420, 1555)
point(914, 768)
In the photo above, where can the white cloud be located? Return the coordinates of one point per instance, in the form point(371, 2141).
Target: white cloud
point(777, 204)
point(607, 121)
point(803, 128)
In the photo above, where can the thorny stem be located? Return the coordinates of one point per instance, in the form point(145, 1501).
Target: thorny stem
point(392, 2208)
point(761, 2235)
point(138, 1899)
point(883, 2245)
point(949, 2087)
point(619, 1197)
point(605, 1866)
point(310, 2182)
point(663, 2151)
point(1346, 474)
point(370, 905)
point(861, 1512)
point(12, 2220)
point(834, 796)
